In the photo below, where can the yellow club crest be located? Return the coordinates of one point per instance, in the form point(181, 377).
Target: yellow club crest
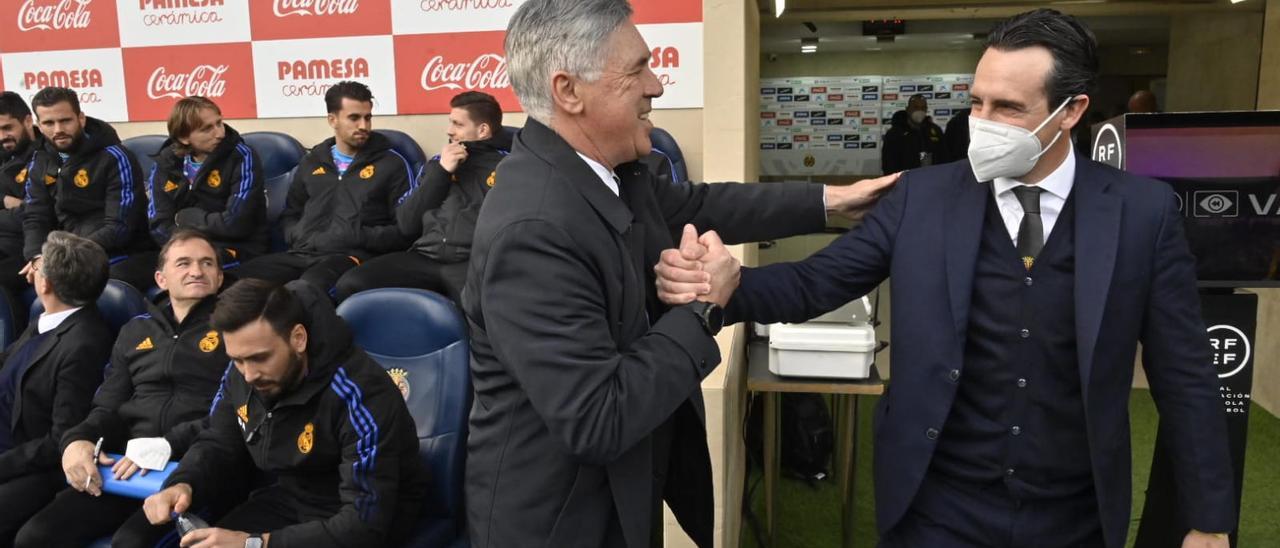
point(170, 186)
point(307, 439)
point(82, 178)
point(367, 172)
point(210, 342)
point(493, 178)
point(243, 413)
point(215, 179)
point(146, 344)
point(1028, 262)
point(49, 179)
point(318, 171)
point(22, 176)
point(401, 378)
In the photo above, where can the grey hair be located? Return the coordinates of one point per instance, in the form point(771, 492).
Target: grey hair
point(76, 267)
point(545, 36)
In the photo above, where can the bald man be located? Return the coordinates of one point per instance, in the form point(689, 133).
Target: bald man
point(1142, 101)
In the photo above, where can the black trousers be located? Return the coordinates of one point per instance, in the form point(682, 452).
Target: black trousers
point(322, 271)
point(275, 507)
point(405, 269)
point(21, 497)
point(77, 519)
point(951, 514)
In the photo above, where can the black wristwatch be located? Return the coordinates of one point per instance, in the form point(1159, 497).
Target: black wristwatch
point(254, 541)
point(710, 315)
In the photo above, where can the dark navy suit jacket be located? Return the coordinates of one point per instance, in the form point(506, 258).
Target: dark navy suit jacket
point(1134, 282)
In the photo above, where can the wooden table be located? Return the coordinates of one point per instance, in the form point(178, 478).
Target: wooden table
point(845, 397)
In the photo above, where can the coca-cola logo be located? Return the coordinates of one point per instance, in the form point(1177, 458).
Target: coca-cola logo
point(203, 80)
point(62, 15)
point(75, 78)
point(460, 5)
point(323, 69)
point(488, 71)
point(285, 8)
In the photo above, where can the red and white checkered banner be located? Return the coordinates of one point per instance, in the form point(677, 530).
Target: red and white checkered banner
point(132, 59)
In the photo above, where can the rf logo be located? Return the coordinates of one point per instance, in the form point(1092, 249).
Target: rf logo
point(1231, 349)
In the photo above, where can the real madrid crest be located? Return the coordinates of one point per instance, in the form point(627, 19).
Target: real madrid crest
point(367, 172)
point(82, 178)
point(22, 176)
point(210, 342)
point(492, 179)
point(215, 179)
point(401, 378)
point(307, 438)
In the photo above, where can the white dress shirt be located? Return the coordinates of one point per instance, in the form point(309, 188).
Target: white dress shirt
point(606, 175)
point(1056, 187)
point(49, 322)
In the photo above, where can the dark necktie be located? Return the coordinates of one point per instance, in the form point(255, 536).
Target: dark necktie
point(1031, 231)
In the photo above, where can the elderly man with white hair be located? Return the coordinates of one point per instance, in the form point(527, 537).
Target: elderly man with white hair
point(588, 413)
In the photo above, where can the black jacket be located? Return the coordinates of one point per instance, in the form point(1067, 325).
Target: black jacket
point(352, 214)
point(343, 441)
point(572, 381)
point(904, 143)
point(57, 389)
point(161, 380)
point(97, 193)
point(226, 201)
point(956, 137)
point(441, 212)
point(13, 178)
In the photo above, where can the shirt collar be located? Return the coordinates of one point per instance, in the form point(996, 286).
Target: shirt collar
point(49, 322)
point(606, 175)
point(1057, 183)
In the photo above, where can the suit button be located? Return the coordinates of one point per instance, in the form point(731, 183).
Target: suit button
point(955, 375)
point(1015, 430)
point(1027, 281)
point(931, 433)
point(1022, 383)
point(1008, 472)
point(1025, 333)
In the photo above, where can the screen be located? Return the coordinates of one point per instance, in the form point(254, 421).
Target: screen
point(1227, 179)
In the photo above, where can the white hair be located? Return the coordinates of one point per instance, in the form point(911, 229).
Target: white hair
point(545, 36)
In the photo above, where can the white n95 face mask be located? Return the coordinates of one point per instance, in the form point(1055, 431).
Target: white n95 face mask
point(1003, 150)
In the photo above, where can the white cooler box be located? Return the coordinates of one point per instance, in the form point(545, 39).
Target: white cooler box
point(821, 350)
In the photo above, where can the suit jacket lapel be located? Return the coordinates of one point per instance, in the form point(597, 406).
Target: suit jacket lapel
point(962, 229)
point(1097, 238)
point(46, 345)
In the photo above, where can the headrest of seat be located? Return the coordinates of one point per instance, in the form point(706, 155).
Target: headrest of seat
point(279, 152)
point(400, 322)
point(144, 147)
point(119, 303)
point(510, 132)
point(404, 144)
point(665, 144)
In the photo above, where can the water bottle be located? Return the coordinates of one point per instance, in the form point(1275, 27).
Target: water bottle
point(187, 523)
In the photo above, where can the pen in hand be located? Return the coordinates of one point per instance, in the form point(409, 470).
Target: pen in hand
point(97, 450)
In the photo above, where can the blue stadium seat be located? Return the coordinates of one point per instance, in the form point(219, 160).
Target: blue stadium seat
point(119, 303)
point(420, 338)
point(279, 154)
point(402, 143)
point(144, 147)
point(665, 145)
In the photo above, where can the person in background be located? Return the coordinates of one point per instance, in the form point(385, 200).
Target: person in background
point(207, 179)
point(16, 137)
point(1142, 101)
point(913, 140)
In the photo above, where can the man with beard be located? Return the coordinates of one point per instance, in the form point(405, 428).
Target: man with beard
point(306, 406)
point(341, 208)
point(441, 213)
point(165, 368)
point(83, 181)
point(16, 136)
point(206, 178)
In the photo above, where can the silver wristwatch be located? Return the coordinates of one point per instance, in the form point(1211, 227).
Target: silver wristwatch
point(254, 541)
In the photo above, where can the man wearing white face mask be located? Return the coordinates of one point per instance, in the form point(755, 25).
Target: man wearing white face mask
point(1023, 281)
point(913, 140)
